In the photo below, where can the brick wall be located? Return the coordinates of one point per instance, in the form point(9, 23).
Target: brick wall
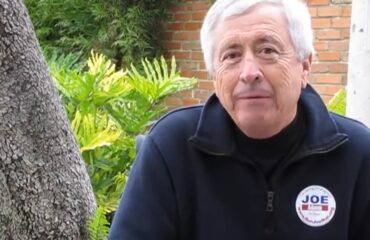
point(330, 21)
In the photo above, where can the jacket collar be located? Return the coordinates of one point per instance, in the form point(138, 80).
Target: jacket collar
point(215, 130)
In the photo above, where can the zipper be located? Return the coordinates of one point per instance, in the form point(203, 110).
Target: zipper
point(271, 194)
point(270, 202)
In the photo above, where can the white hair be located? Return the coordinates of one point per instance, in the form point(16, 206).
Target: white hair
point(296, 13)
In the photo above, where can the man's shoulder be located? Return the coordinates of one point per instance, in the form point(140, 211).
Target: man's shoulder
point(356, 130)
point(181, 121)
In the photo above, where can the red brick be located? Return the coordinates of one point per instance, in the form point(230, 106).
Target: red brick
point(186, 93)
point(318, 2)
point(329, 11)
point(328, 34)
point(327, 89)
point(321, 22)
point(206, 85)
point(326, 98)
point(192, 26)
point(203, 95)
point(196, 55)
point(342, 45)
point(319, 68)
point(199, 16)
point(172, 45)
point(344, 34)
point(187, 73)
point(347, 11)
point(199, 6)
point(202, 65)
point(338, 68)
point(190, 101)
point(191, 45)
point(175, 26)
point(183, 16)
point(341, 22)
point(321, 45)
point(328, 78)
point(329, 56)
point(186, 36)
point(313, 11)
point(186, 64)
point(183, 55)
point(173, 101)
point(201, 74)
point(195, 74)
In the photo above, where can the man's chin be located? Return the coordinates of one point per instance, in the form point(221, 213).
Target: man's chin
point(255, 125)
point(253, 116)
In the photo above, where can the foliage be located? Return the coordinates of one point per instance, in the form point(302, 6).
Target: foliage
point(58, 62)
point(99, 226)
point(107, 109)
point(338, 103)
point(125, 31)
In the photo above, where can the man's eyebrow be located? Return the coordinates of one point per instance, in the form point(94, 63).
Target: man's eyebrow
point(268, 39)
point(231, 45)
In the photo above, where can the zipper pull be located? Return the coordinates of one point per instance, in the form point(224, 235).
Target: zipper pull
point(270, 201)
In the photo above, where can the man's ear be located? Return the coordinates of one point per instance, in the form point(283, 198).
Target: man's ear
point(306, 64)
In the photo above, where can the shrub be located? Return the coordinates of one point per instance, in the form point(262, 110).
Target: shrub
point(107, 109)
point(124, 30)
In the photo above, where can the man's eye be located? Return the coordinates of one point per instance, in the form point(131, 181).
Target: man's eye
point(231, 56)
point(268, 51)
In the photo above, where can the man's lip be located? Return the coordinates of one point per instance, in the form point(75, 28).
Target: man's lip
point(254, 95)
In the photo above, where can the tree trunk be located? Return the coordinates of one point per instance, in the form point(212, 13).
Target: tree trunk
point(45, 192)
point(358, 87)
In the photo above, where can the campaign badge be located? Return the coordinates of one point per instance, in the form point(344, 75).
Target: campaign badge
point(315, 206)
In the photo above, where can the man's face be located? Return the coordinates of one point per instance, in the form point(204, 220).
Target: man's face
point(258, 77)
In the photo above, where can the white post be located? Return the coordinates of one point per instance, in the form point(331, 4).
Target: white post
point(358, 86)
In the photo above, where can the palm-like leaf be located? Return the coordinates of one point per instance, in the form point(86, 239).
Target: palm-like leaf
point(158, 82)
point(107, 109)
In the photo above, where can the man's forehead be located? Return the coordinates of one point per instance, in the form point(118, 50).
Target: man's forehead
point(239, 39)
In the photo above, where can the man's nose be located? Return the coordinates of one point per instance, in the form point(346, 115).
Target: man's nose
point(250, 71)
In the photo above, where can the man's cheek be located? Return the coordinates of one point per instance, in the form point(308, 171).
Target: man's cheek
point(284, 67)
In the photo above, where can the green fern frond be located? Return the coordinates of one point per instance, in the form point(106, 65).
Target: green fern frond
point(98, 225)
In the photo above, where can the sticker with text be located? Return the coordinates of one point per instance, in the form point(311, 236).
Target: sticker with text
point(315, 206)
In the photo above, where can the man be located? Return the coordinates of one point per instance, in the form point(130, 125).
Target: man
point(263, 158)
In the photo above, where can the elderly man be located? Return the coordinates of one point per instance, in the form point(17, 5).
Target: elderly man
point(263, 158)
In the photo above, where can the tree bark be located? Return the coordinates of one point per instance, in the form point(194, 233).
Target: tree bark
point(45, 192)
point(358, 87)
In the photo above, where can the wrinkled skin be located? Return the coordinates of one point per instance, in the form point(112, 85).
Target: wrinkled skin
point(258, 76)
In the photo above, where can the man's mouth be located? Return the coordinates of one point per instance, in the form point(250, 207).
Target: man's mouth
point(255, 95)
